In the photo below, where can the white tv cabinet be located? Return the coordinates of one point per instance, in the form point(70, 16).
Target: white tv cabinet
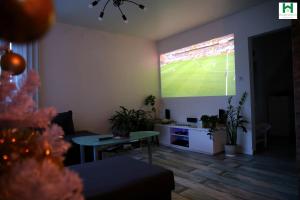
point(192, 139)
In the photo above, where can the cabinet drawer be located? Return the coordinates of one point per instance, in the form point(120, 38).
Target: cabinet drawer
point(200, 141)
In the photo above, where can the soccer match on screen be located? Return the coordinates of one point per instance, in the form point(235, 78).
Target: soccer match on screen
point(204, 69)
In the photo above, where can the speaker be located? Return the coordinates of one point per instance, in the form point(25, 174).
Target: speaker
point(167, 114)
point(222, 113)
point(222, 116)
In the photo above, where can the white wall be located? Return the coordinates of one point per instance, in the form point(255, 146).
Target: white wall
point(93, 73)
point(256, 20)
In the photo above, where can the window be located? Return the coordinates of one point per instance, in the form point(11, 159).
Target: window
point(29, 53)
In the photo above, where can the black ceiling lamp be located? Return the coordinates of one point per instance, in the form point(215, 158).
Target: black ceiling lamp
point(117, 4)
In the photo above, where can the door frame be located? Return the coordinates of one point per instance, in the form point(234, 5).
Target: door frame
point(251, 72)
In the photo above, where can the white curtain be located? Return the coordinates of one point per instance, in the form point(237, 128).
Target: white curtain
point(30, 54)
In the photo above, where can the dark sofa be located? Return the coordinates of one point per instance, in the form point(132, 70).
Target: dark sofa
point(65, 121)
point(125, 178)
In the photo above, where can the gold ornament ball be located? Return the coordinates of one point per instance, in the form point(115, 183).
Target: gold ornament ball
point(23, 21)
point(13, 63)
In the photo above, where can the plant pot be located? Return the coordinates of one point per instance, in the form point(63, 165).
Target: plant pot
point(206, 124)
point(230, 150)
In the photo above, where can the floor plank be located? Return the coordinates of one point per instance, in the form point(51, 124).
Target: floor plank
point(204, 177)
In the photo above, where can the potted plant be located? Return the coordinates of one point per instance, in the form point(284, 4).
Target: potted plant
point(126, 120)
point(209, 121)
point(150, 101)
point(205, 121)
point(234, 121)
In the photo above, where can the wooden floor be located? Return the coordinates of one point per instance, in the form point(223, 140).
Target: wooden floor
point(204, 177)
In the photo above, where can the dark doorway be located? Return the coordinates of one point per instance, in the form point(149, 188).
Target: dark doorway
point(273, 94)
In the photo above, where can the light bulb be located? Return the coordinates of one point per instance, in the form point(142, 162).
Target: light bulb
point(94, 3)
point(125, 19)
point(100, 18)
point(142, 7)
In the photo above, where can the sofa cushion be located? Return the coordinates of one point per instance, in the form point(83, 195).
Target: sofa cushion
point(65, 121)
point(124, 178)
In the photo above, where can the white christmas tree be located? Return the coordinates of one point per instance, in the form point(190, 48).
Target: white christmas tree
point(31, 149)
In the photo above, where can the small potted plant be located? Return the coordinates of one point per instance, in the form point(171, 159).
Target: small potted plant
point(205, 121)
point(150, 104)
point(150, 101)
point(234, 121)
point(209, 121)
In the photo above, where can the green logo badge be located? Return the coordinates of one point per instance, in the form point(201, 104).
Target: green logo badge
point(287, 7)
point(288, 10)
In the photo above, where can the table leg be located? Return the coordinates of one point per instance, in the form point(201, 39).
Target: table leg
point(157, 140)
point(266, 140)
point(97, 154)
point(149, 151)
point(82, 156)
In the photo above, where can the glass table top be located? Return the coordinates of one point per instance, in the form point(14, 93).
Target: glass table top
point(95, 140)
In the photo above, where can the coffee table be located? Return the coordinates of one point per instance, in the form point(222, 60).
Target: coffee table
point(99, 143)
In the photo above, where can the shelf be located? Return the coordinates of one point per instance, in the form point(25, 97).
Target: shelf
point(179, 135)
point(182, 127)
point(181, 143)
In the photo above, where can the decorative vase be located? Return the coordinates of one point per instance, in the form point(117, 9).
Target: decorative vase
point(230, 150)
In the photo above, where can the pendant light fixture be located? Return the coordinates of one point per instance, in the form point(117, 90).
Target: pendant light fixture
point(117, 4)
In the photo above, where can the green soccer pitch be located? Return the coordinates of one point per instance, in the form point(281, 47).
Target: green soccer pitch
point(205, 76)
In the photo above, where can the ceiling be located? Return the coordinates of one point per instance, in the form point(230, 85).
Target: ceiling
point(162, 18)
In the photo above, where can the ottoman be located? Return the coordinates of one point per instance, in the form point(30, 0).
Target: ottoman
point(125, 178)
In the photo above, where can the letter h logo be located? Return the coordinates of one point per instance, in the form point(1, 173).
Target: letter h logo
point(287, 7)
point(288, 10)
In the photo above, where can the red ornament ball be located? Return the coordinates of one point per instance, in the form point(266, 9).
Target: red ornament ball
point(13, 63)
point(23, 21)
